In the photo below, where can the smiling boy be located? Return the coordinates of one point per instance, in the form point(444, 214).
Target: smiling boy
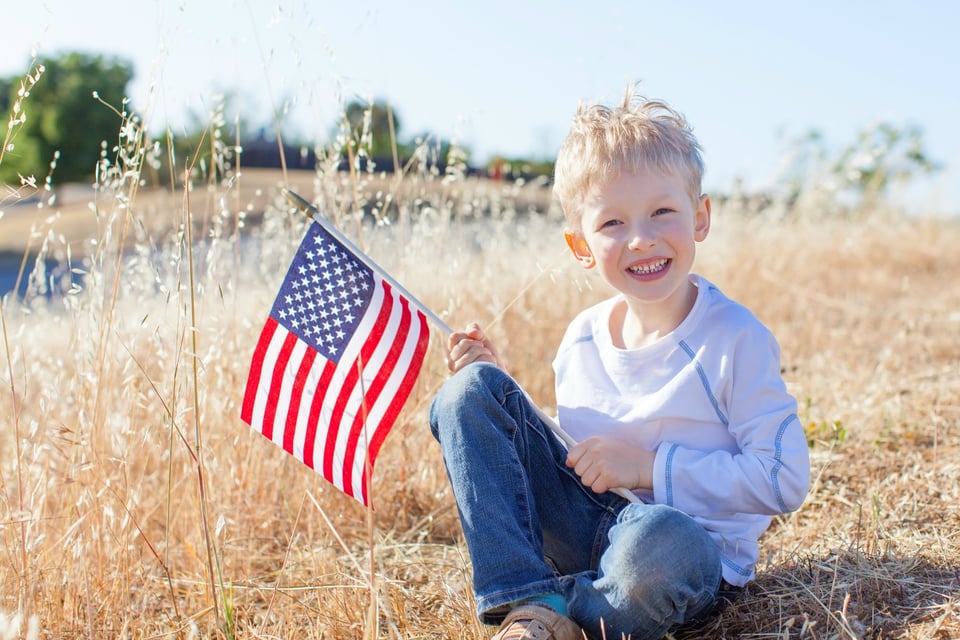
point(671, 390)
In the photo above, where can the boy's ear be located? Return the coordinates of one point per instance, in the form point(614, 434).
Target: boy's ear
point(581, 251)
point(701, 220)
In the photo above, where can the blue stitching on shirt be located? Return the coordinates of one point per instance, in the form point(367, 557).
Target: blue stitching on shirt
point(737, 568)
point(668, 473)
point(777, 456)
point(706, 383)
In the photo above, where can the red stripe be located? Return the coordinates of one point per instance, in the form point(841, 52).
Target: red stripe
point(373, 340)
point(376, 388)
point(279, 368)
point(313, 420)
point(333, 427)
point(396, 404)
point(256, 369)
point(296, 397)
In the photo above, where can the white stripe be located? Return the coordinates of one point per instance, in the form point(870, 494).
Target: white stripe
point(303, 415)
point(378, 410)
point(286, 390)
point(370, 371)
point(344, 366)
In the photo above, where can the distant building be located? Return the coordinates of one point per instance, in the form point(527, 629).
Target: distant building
point(264, 152)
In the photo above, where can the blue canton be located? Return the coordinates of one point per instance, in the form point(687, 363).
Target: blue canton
point(325, 294)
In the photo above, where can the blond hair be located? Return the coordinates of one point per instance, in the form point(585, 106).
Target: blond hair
point(636, 134)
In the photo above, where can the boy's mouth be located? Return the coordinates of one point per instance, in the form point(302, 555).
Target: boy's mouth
point(649, 267)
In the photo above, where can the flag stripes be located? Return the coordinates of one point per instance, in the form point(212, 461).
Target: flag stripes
point(327, 383)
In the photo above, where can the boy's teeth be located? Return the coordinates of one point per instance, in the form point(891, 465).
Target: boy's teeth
point(649, 268)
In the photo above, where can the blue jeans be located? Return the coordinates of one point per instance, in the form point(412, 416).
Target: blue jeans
point(533, 528)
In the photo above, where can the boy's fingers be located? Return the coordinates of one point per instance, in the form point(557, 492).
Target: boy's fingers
point(467, 351)
point(475, 333)
point(470, 332)
point(470, 345)
point(575, 453)
point(462, 347)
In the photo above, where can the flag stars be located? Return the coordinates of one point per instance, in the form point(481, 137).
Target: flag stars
point(324, 295)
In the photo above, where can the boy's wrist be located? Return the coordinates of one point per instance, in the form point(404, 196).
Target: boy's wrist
point(645, 478)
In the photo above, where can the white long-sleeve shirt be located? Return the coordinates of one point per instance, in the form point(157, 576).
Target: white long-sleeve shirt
point(708, 398)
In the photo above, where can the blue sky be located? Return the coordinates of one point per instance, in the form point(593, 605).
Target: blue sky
point(505, 77)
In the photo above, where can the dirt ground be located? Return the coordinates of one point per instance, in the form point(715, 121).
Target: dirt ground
point(71, 211)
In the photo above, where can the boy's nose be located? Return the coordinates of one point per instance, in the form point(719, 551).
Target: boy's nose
point(641, 239)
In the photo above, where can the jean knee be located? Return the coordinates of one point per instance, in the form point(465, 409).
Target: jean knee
point(667, 545)
point(464, 389)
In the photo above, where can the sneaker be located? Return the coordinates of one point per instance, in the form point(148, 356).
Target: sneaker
point(537, 622)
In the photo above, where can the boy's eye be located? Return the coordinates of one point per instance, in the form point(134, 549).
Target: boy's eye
point(662, 211)
point(609, 223)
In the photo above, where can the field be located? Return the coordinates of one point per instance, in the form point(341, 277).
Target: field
point(134, 503)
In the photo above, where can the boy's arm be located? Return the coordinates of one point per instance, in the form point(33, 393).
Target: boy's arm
point(468, 346)
point(770, 474)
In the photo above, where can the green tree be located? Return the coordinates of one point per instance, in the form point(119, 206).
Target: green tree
point(207, 141)
point(373, 129)
point(63, 113)
point(883, 154)
point(859, 174)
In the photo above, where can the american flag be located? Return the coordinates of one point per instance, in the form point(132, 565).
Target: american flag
point(335, 362)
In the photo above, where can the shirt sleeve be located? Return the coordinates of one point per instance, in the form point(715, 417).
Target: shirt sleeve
point(770, 474)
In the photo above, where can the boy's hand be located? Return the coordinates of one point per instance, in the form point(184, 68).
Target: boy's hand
point(604, 464)
point(470, 345)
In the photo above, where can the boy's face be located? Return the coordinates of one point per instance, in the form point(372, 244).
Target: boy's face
point(640, 230)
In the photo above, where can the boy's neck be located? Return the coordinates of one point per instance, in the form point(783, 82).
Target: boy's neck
point(635, 324)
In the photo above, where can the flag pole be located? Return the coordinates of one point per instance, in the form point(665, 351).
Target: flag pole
point(314, 214)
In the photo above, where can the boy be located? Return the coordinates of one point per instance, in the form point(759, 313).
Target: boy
point(670, 389)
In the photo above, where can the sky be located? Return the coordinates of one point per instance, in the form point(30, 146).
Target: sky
point(504, 77)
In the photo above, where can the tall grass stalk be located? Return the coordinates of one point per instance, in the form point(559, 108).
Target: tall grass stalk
point(21, 517)
point(216, 576)
point(15, 122)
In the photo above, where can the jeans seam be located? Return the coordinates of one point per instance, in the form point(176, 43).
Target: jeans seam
point(601, 538)
point(611, 509)
point(512, 396)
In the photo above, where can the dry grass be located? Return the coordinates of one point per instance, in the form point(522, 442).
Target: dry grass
point(112, 415)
